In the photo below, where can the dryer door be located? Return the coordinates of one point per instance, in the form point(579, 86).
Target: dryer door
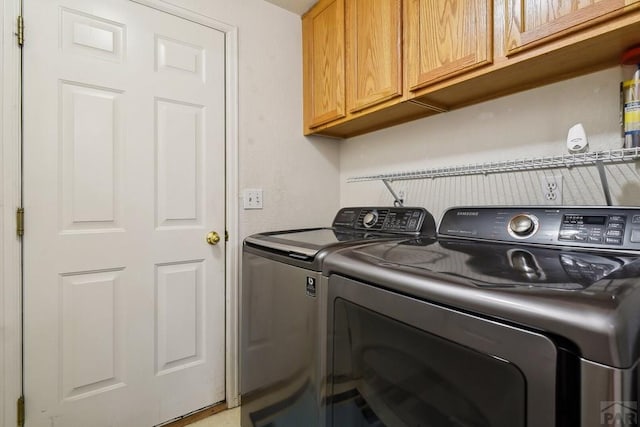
point(400, 361)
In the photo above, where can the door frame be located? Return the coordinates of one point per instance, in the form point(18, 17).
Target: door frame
point(10, 189)
point(11, 194)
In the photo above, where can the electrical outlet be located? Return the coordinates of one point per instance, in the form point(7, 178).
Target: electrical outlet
point(252, 198)
point(551, 187)
point(402, 195)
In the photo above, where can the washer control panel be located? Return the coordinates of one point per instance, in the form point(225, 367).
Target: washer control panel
point(409, 220)
point(606, 227)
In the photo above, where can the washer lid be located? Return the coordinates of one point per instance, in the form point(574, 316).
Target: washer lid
point(307, 242)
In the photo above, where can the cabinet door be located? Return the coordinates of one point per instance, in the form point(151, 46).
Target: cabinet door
point(531, 22)
point(324, 73)
point(374, 52)
point(445, 38)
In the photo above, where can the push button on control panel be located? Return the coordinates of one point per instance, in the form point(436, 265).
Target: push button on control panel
point(599, 229)
point(567, 234)
point(615, 229)
point(394, 220)
point(400, 222)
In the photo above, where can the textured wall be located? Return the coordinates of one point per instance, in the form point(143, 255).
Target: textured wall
point(528, 124)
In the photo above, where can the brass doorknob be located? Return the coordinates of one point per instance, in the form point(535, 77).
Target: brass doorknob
point(213, 238)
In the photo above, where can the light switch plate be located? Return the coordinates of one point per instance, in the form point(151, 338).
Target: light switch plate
point(252, 198)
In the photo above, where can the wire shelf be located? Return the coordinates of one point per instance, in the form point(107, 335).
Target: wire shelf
point(535, 163)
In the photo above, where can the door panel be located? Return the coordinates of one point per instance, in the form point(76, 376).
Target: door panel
point(123, 178)
point(179, 146)
point(91, 165)
point(92, 333)
point(179, 314)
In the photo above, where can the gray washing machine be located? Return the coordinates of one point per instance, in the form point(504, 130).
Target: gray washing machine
point(514, 317)
point(283, 307)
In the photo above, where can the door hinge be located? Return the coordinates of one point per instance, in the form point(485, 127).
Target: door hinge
point(20, 30)
point(20, 222)
point(20, 405)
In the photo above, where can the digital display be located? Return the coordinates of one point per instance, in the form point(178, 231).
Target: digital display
point(585, 219)
point(598, 220)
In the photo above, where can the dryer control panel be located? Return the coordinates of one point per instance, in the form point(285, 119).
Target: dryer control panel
point(606, 227)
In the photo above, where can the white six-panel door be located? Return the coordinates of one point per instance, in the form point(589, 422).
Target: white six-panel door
point(123, 178)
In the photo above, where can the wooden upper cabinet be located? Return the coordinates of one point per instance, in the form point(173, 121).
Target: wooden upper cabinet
point(370, 64)
point(374, 52)
point(532, 22)
point(445, 38)
point(323, 63)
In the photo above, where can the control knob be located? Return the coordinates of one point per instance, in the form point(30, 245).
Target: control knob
point(523, 225)
point(370, 219)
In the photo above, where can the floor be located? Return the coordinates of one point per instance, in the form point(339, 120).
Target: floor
point(227, 418)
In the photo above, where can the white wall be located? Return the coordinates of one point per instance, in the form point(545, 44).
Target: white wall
point(532, 123)
point(299, 175)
